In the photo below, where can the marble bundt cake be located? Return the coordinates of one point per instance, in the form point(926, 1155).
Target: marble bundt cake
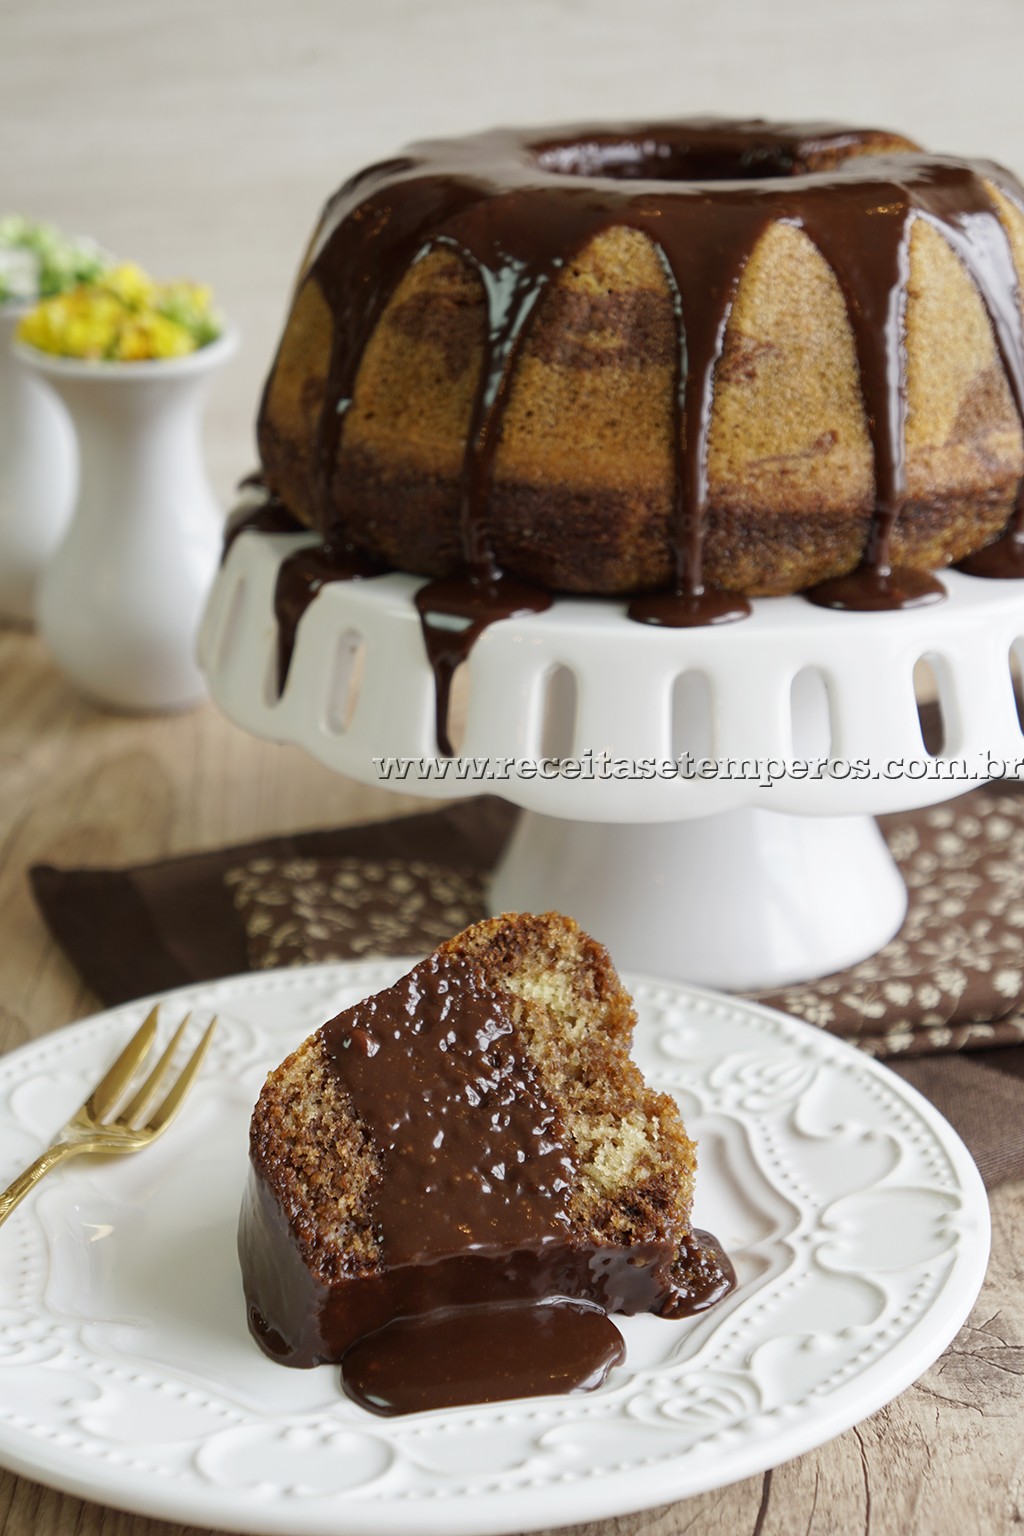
point(473, 1138)
point(700, 357)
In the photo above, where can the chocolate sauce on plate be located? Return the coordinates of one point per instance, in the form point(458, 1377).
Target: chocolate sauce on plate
point(482, 1355)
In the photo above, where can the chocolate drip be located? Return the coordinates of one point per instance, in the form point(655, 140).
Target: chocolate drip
point(987, 252)
point(300, 578)
point(875, 588)
point(1003, 560)
point(269, 515)
point(518, 207)
point(709, 1276)
point(469, 606)
point(875, 291)
point(703, 280)
point(975, 232)
point(685, 609)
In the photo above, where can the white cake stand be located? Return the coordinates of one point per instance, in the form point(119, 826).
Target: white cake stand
point(743, 871)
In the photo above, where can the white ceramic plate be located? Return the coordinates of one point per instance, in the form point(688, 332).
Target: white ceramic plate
point(855, 1218)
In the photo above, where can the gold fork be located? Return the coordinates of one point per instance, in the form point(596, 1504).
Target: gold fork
point(94, 1128)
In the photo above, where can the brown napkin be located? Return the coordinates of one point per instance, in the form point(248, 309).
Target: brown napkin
point(951, 981)
point(134, 931)
point(953, 977)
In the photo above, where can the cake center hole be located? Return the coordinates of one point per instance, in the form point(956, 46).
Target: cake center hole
point(664, 160)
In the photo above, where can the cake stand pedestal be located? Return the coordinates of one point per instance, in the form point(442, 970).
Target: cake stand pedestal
point(700, 800)
point(742, 899)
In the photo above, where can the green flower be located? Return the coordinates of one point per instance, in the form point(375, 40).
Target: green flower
point(37, 261)
point(190, 305)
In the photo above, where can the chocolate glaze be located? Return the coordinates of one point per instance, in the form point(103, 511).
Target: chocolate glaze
point(518, 206)
point(472, 1209)
point(474, 1156)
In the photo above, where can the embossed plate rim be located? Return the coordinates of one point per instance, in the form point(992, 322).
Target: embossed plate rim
point(721, 1457)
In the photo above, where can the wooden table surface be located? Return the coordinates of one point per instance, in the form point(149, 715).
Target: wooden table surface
point(81, 787)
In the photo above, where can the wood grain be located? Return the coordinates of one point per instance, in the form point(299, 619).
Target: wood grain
point(85, 787)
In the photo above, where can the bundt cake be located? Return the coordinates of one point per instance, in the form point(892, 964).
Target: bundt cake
point(455, 1156)
point(688, 359)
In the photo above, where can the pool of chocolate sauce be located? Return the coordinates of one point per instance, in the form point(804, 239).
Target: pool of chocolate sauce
point(482, 1355)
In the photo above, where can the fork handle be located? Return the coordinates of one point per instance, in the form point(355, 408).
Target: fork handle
point(15, 1193)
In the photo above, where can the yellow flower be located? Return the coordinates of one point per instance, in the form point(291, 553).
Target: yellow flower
point(72, 325)
point(130, 284)
point(147, 336)
point(123, 317)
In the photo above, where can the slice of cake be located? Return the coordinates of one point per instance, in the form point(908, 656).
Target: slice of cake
point(473, 1142)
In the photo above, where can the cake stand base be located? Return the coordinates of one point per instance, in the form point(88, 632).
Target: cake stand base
point(744, 900)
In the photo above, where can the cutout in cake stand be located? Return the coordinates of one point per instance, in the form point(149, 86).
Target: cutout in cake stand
point(747, 875)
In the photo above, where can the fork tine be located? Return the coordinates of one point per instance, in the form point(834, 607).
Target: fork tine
point(110, 1087)
point(146, 1093)
point(162, 1116)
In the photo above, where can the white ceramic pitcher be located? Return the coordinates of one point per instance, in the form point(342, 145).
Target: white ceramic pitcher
point(37, 475)
point(120, 601)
